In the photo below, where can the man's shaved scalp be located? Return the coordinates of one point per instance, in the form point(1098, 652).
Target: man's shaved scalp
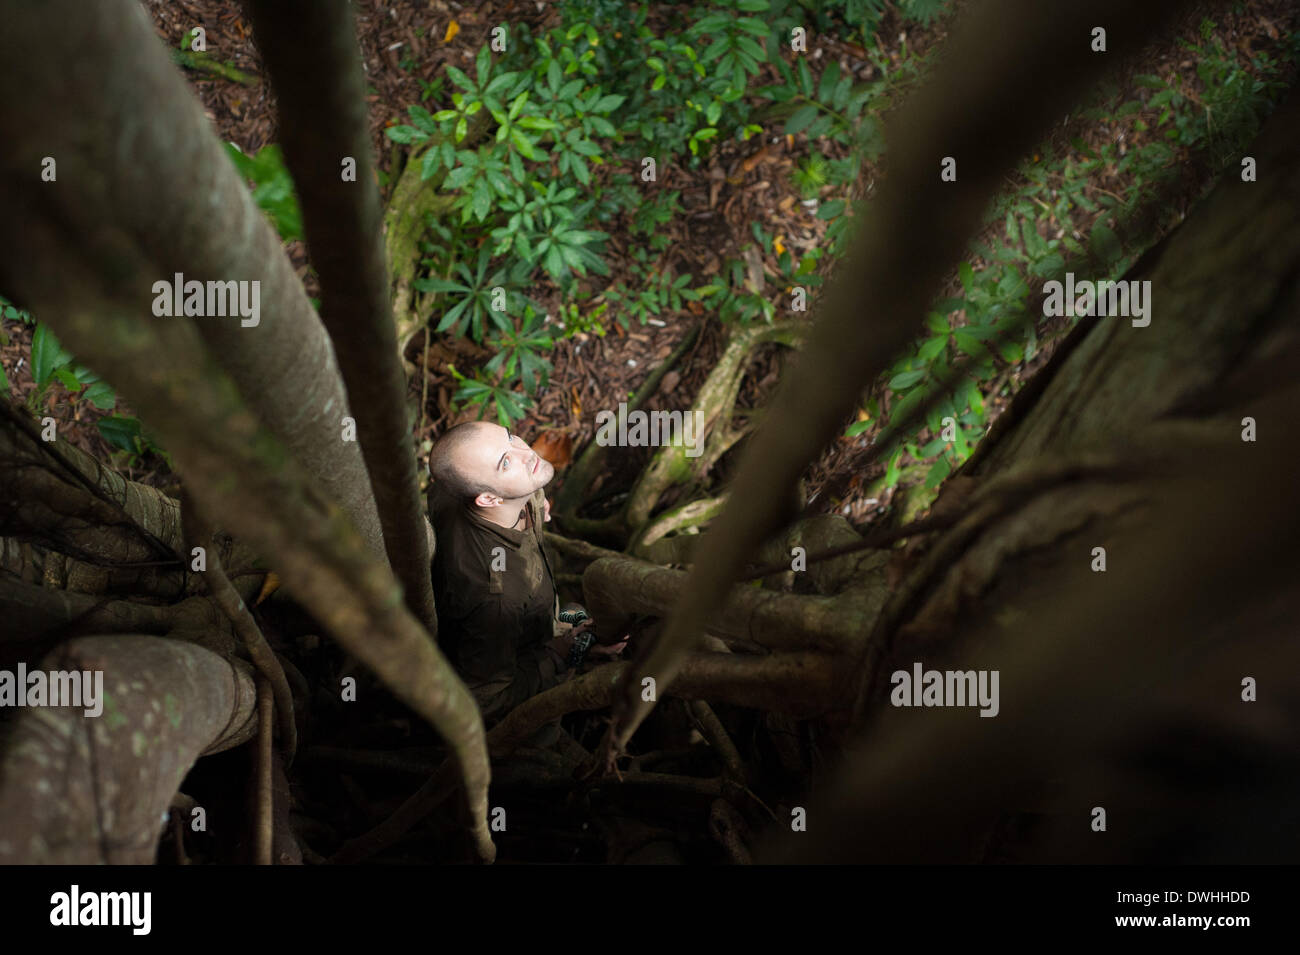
point(442, 457)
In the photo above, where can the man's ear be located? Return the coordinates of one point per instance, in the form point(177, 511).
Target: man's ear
point(487, 499)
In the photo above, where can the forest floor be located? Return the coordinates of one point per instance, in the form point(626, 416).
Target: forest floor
point(409, 41)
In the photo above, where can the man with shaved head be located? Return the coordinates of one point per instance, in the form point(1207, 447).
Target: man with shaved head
point(497, 610)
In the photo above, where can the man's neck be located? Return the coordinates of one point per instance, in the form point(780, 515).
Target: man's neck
point(512, 515)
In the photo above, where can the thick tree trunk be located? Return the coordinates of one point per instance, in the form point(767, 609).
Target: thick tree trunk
point(256, 468)
point(310, 49)
point(136, 157)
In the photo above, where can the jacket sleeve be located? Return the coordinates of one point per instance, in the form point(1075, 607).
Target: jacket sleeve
point(499, 676)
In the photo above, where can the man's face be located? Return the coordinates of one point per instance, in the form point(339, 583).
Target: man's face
point(503, 461)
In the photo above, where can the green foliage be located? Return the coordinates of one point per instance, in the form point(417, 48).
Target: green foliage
point(518, 354)
point(9, 310)
point(481, 389)
point(811, 174)
point(272, 187)
point(475, 295)
point(127, 434)
point(519, 142)
point(655, 291)
point(51, 362)
point(575, 321)
point(1212, 126)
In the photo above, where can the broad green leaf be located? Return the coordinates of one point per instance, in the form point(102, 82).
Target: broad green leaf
point(420, 116)
point(101, 395)
point(47, 355)
point(120, 431)
point(432, 159)
point(906, 379)
point(460, 79)
point(967, 275)
point(932, 346)
point(829, 210)
point(969, 343)
point(67, 378)
point(830, 76)
point(801, 120)
point(405, 134)
point(938, 471)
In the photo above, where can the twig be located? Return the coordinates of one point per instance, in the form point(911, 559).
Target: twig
point(712, 729)
point(204, 63)
point(265, 828)
point(241, 618)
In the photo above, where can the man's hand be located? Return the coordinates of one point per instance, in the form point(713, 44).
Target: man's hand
point(546, 513)
point(607, 650)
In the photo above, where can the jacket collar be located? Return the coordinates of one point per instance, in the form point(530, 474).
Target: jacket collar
point(514, 538)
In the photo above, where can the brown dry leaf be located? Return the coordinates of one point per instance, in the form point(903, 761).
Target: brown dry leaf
point(575, 402)
point(556, 447)
point(269, 586)
point(754, 160)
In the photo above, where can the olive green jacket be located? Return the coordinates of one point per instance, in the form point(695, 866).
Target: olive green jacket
point(495, 594)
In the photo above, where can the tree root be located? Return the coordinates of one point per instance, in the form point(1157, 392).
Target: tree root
point(803, 684)
point(165, 704)
point(616, 589)
point(713, 407)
